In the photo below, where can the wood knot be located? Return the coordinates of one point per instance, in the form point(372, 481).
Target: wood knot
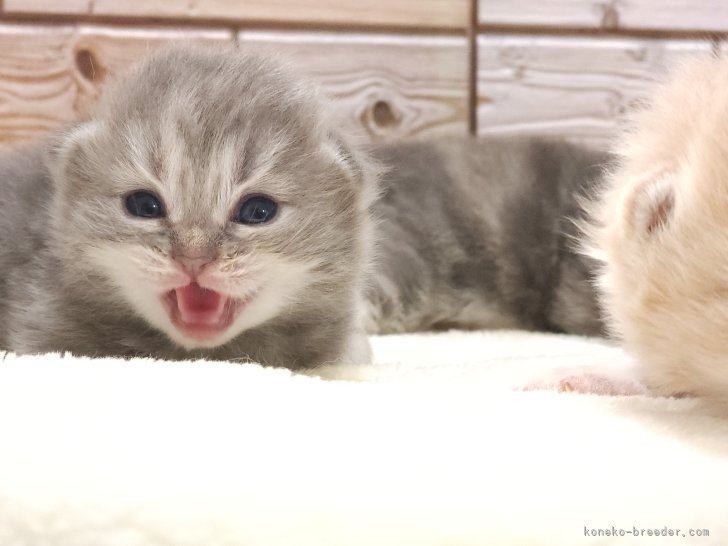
point(88, 66)
point(383, 115)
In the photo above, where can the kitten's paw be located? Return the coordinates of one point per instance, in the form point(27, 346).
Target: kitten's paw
point(585, 382)
point(601, 385)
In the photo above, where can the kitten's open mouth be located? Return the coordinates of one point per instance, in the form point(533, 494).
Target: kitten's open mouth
point(201, 313)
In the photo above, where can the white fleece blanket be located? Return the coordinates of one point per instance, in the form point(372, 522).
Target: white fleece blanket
point(430, 446)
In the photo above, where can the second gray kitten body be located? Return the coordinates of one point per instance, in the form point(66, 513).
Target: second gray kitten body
point(479, 233)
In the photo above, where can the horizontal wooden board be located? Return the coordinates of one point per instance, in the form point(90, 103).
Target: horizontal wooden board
point(37, 89)
point(100, 52)
point(47, 6)
point(685, 15)
point(384, 86)
point(50, 75)
point(577, 87)
point(408, 13)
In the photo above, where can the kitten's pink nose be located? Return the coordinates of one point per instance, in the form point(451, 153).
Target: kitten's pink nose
point(194, 264)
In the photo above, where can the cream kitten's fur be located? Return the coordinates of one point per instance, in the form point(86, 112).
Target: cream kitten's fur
point(661, 231)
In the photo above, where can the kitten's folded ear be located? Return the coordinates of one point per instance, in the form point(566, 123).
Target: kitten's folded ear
point(63, 155)
point(361, 169)
point(651, 205)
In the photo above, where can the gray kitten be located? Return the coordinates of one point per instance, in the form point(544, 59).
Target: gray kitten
point(209, 208)
point(479, 233)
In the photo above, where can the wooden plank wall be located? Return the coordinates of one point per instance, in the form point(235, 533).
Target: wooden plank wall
point(574, 67)
point(396, 68)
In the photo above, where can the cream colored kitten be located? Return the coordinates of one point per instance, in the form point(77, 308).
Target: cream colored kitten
point(661, 232)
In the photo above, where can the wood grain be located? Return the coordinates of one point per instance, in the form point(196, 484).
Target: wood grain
point(407, 13)
point(37, 89)
point(112, 49)
point(686, 15)
point(50, 75)
point(385, 86)
point(577, 87)
point(64, 7)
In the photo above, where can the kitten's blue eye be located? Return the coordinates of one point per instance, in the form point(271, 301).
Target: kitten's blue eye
point(144, 205)
point(256, 210)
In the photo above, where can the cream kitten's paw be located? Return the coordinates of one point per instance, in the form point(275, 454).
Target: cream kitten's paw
point(596, 384)
point(601, 381)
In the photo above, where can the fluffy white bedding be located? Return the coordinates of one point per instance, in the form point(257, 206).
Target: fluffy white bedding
point(431, 446)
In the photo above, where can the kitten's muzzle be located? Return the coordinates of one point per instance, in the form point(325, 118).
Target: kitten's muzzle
point(195, 264)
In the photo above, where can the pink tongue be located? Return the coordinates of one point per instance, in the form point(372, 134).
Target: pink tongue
point(198, 305)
